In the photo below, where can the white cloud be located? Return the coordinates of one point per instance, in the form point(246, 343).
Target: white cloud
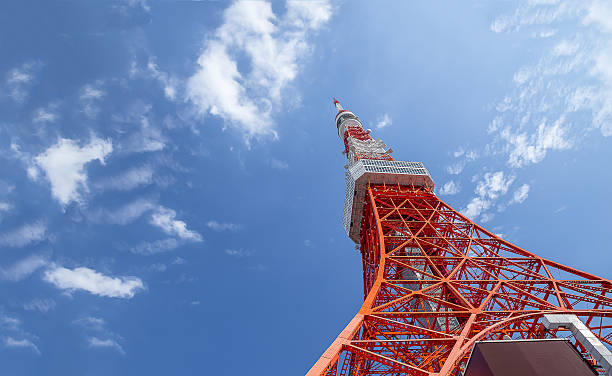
point(169, 83)
point(123, 215)
point(574, 75)
point(520, 195)
point(96, 342)
point(10, 323)
point(44, 115)
point(164, 219)
point(64, 162)
point(89, 96)
point(525, 149)
point(223, 226)
point(127, 180)
point(22, 268)
point(556, 101)
point(148, 139)
point(476, 206)
point(494, 184)
point(91, 92)
point(599, 13)
point(237, 252)
point(565, 47)
point(158, 246)
point(21, 343)
point(5, 206)
point(93, 282)
point(486, 217)
point(455, 168)
point(41, 305)
point(24, 235)
point(157, 267)
point(278, 164)
point(19, 80)
point(142, 4)
point(471, 155)
point(384, 121)
point(450, 188)
point(91, 323)
point(274, 47)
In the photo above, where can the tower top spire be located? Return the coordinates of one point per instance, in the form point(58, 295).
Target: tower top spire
point(338, 105)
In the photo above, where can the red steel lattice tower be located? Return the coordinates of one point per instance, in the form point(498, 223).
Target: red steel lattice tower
point(435, 283)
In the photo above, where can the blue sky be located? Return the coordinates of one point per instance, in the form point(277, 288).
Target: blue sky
point(172, 183)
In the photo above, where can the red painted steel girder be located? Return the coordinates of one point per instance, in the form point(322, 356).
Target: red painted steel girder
point(435, 283)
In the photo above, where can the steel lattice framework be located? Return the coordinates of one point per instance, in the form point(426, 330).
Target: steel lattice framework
point(435, 283)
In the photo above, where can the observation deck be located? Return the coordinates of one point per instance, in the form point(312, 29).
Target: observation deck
point(377, 171)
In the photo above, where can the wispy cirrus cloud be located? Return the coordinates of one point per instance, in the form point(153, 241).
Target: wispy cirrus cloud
point(23, 343)
point(41, 305)
point(277, 164)
point(98, 336)
point(450, 188)
point(5, 206)
point(169, 83)
point(239, 253)
point(127, 180)
point(22, 268)
point(122, 215)
point(16, 337)
point(90, 95)
point(27, 234)
point(91, 323)
point(95, 342)
point(520, 195)
point(8, 322)
point(19, 80)
point(46, 114)
point(274, 46)
point(555, 102)
point(222, 226)
point(157, 246)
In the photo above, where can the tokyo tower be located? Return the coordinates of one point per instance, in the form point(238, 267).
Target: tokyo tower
point(444, 296)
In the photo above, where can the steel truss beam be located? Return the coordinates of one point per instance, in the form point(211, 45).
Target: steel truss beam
point(435, 283)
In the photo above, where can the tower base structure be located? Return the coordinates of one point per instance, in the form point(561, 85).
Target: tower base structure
point(436, 283)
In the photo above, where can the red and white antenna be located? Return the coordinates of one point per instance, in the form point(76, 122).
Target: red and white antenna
point(338, 105)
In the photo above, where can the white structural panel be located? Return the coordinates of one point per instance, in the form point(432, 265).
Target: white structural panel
point(377, 171)
point(598, 350)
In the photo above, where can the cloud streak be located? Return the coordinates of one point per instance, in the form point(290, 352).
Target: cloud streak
point(223, 226)
point(93, 282)
point(164, 219)
point(23, 268)
point(24, 235)
point(384, 121)
point(491, 187)
point(555, 102)
point(11, 342)
point(123, 215)
point(96, 342)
